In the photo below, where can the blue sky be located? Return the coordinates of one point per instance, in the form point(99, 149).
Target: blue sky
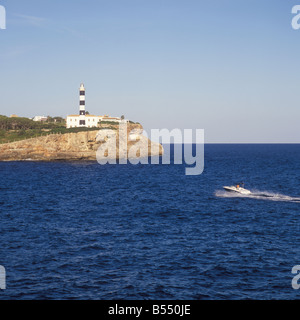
point(230, 67)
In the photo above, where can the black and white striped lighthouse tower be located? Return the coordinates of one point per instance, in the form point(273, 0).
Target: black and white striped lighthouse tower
point(82, 105)
point(82, 100)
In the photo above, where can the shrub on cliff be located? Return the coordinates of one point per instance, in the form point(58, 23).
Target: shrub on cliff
point(19, 123)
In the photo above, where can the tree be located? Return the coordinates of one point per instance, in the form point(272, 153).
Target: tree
point(50, 119)
point(59, 119)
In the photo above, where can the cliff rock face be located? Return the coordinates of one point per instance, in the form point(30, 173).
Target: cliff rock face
point(87, 145)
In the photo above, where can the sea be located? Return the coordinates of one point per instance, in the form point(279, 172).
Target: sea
point(85, 231)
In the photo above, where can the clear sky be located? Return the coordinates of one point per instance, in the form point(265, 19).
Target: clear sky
point(230, 67)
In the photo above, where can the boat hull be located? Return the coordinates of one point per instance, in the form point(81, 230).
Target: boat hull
point(237, 190)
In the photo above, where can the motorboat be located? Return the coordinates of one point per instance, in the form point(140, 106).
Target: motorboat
point(237, 188)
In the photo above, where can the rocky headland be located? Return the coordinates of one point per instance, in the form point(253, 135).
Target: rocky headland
point(82, 146)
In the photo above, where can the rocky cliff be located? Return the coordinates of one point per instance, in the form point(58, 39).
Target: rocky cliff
point(82, 146)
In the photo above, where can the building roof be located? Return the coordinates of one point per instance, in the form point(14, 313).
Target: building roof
point(90, 115)
point(87, 115)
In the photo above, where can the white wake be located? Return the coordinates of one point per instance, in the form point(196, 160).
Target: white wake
point(259, 195)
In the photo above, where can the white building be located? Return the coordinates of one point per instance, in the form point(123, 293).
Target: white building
point(87, 120)
point(75, 121)
point(39, 118)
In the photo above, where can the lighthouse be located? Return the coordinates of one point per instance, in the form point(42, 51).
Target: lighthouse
point(87, 120)
point(82, 105)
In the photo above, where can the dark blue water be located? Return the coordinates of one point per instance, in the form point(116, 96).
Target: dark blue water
point(86, 231)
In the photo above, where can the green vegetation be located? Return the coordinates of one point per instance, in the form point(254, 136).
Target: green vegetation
point(109, 122)
point(16, 129)
point(18, 123)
